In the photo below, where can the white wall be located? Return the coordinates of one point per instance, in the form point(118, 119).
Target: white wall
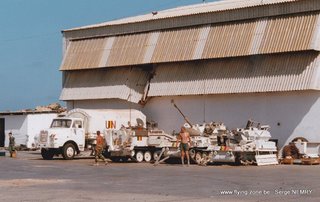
point(102, 104)
point(26, 127)
point(17, 124)
point(296, 112)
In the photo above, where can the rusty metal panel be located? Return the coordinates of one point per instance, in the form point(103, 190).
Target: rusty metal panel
point(176, 45)
point(261, 36)
point(82, 54)
point(122, 83)
point(269, 73)
point(230, 40)
point(291, 33)
point(128, 49)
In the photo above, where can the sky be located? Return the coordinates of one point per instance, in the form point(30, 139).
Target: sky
point(31, 42)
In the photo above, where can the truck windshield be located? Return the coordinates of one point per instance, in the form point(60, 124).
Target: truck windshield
point(61, 123)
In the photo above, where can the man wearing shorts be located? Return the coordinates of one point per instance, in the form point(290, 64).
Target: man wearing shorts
point(185, 141)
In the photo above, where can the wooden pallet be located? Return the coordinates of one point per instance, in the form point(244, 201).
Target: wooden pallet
point(287, 161)
point(310, 161)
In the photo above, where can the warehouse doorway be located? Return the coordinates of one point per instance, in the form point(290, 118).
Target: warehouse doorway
point(2, 134)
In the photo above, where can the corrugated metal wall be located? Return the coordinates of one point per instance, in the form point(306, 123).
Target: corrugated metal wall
point(270, 73)
point(176, 45)
point(128, 50)
point(122, 83)
point(261, 36)
point(81, 54)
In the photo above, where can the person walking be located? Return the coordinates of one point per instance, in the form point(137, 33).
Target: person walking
point(185, 141)
point(99, 149)
point(11, 144)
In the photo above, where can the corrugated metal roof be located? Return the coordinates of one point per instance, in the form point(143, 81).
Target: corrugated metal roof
point(269, 73)
point(262, 36)
point(122, 83)
point(189, 10)
point(196, 15)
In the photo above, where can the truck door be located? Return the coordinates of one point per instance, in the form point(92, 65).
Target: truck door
point(2, 134)
point(78, 128)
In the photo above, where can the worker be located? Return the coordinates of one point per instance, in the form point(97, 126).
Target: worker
point(185, 141)
point(99, 149)
point(11, 144)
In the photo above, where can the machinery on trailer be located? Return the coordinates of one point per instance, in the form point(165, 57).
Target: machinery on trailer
point(137, 143)
point(212, 142)
point(76, 131)
point(249, 145)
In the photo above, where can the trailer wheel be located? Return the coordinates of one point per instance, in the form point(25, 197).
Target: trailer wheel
point(156, 155)
point(237, 160)
point(204, 155)
point(198, 157)
point(192, 154)
point(115, 159)
point(147, 156)
point(47, 154)
point(69, 151)
point(139, 156)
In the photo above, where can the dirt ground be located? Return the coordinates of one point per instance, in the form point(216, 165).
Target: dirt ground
point(29, 178)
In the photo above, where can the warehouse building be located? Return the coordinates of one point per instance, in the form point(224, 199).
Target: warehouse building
point(222, 61)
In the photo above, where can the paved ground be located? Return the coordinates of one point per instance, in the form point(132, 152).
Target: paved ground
point(28, 178)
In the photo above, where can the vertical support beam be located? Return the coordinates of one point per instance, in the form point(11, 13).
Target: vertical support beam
point(65, 50)
point(203, 36)
point(151, 47)
point(258, 36)
point(315, 42)
point(106, 52)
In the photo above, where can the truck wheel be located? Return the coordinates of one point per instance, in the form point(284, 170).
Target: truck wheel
point(198, 157)
point(139, 156)
point(47, 154)
point(69, 151)
point(147, 156)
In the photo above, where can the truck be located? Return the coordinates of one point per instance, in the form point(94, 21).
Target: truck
point(75, 132)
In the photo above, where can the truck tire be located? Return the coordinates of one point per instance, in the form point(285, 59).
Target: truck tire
point(68, 151)
point(47, 154)
point(139, 156)
point(147, 156)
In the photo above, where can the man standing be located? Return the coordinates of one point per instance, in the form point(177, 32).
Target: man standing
point(99, 149)
point(11, 144)
point(185, 142)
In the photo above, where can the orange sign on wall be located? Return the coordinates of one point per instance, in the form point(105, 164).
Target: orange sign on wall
point(111, 124)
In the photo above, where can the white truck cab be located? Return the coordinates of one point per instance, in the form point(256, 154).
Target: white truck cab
point(65, 136)
point(76, 132)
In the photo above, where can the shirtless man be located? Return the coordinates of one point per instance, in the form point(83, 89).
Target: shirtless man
point(185, 142)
